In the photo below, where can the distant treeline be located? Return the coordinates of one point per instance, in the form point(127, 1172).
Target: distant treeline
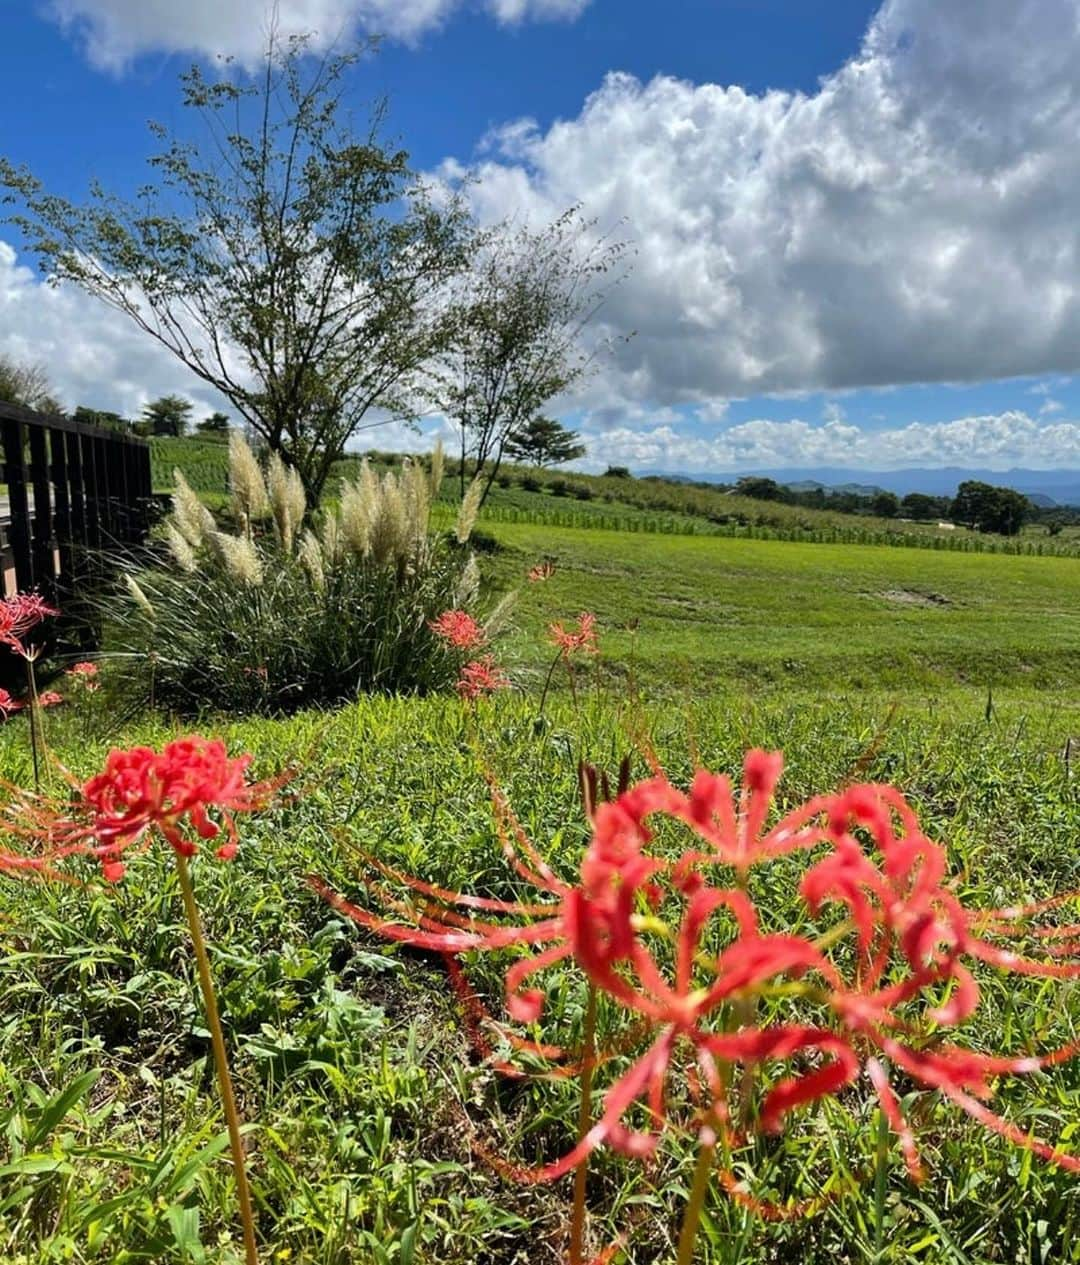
point(980, 506)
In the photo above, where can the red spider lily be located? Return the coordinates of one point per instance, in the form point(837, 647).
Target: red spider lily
point(481, 676)
point(18, 615)
point(735, 834)
point(541, 572)
point(571, 640)
point(50, 698)
point(8, 704)
point(84, 675)
point(602, 923)
point(140, 789)
point(458, 629)
point(910, 933)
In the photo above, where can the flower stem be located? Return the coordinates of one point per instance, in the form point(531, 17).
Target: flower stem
point(31, 684)
point(692, 1216)
point(577, 1223)
point(881, 1173)
point(228, 1100)
point(547, 685)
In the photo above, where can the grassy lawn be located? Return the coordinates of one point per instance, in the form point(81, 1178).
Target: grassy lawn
point(690, 613)
point(352, 1064)
point(364, 1097)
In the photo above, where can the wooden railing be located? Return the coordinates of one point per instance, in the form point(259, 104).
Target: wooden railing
point(74, 494)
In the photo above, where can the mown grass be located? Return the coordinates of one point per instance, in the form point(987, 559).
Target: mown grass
point(353, 1069)
point(685, 615)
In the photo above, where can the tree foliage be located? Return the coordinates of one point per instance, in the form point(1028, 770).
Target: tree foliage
point(984, 507)
point(761, 489)
point(285, 260)
point(27, 385)
point(544, 442)
point(924, 508)
point(518, 320)
point(885, 504)
point(103, 418)
point(168, 415)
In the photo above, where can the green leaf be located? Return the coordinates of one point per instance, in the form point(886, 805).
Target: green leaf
point(184, 1223)
point(408, 1244)
point(57, 1108)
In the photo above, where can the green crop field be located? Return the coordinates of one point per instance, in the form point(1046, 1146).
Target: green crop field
point(693, 613)
point(647, 506)
point(204, 463)
point(367, 1107)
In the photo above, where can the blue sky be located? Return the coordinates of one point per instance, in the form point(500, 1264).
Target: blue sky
point(854, 222)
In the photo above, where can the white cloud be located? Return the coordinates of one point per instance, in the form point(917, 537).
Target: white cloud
point(92, 355)
point(993, 441)
point(97, 357)
point(912, 221)
point(115, 31)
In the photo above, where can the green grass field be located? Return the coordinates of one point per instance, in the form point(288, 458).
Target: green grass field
point(687, 614)
point(353, 1067)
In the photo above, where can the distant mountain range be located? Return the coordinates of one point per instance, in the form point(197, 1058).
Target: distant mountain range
point(1045, 487)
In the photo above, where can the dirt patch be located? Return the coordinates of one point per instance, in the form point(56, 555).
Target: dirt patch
point(909, 597)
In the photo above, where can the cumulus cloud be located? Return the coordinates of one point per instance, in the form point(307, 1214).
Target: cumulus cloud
point(92, 355)
point(912, 221)
point(992, 441)
point(97, 357)
point(115, 31)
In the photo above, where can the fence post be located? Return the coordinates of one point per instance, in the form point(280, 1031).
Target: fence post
point(18, 503)
point(42, 543)
point(91, 497)
point(62, 526)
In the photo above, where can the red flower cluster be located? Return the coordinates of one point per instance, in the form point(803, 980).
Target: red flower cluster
point(140, 790)
point(541, 572)
point(49, 698)
point(677, 942)
point(84, 674)
point(18, 615)
point(481, 676)
point(571, 640)
point(8, 704)
point(458, 629)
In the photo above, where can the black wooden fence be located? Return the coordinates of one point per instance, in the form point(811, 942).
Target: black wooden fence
point(74, 493)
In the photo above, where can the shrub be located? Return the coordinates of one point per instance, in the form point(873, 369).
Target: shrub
point(582, 492)
point(559, 487)
point(280, 615)
point(530, 483)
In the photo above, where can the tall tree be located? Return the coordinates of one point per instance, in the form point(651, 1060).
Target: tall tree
point(215, 424)
point(285, 260)
point(26, 384)
point(167, 415)
point(984, 507)
point(885, 504)
point(924, 508)
point(518, 320)
point(102, 417)
point(544, 442)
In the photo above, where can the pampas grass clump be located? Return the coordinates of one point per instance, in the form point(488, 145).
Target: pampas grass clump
point(291, 609)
